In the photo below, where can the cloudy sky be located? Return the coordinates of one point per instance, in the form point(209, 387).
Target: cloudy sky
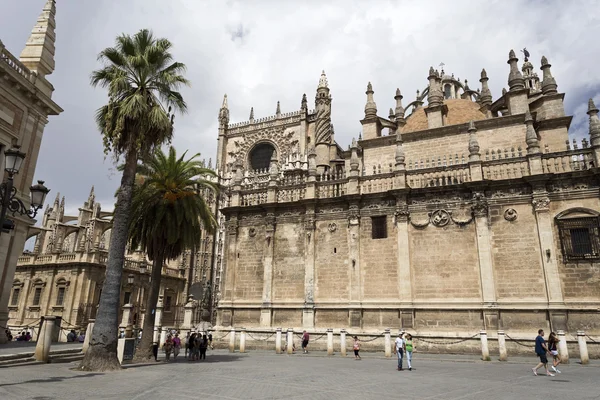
point(261, 51)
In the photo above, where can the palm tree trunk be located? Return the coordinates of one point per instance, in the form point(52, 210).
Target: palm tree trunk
point(144, 351)
point(102, 353)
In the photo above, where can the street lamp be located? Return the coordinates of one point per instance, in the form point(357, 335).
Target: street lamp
point(8, 193)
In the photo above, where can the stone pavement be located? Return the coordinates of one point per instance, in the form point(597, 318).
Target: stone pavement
point(15, 347)
point(262, 375)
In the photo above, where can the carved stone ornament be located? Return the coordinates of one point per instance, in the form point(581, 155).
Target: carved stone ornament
point(332, 227)
point(270, 219)
point(330, 210)
point(309, 222)
point(252, 232)
point(439, 218)
point(480, 206)
point(402, 214)
point(353, 215)
point(232, 226)
point(276, 135)
point(510, 214)
point(541, 204)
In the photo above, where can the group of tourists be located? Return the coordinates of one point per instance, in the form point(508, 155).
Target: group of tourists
point(403, 345)
point(196, 345)
point(542, 348)
point(72, 336)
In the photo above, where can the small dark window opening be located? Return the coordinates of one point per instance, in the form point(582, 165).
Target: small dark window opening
point(580, 238)
point(335, 250)
point(36, 296)
point(260, 157)
point(127, 298)
point(60, 296)
point(379, 227)
point(167, 306)
point(447, 91)
point(15, 297)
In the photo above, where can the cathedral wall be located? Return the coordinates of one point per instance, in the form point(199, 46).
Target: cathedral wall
point(444, 262)
point(430, 148)
point(516, 255)
point(332, 277)
point(580, 280)
point(288, 262)
point(507, 137)
point(378, 262)
point(555, 139)
point(249, 266)
point(378, 157)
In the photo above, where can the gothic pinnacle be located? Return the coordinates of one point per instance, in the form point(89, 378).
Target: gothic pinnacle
point(473, 143)
point(323, 81)
point(549, 85)
point(399, 108)
point(304, 103)
point(533, 145)
point(278, 110)
point(370, 107)
point(251, 113)
point(399, 157)
point(515, 77)
point(594, 123)
point(225, 105)
point(486, 96)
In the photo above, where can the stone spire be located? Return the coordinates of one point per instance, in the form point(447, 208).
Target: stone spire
point(323, 109)
point(533, 145)
point(251, 113)
point(38, 54)
point(323, 81)
point(435, 96)
point(515, 78)
point(400, 157)
point(594, 123)
point(209, 163)
point(354, 164)
point(91, 199)
point(224, 113)
point(549, 85)
point(392, 116)
point(278, 110)
point(312, 161)
point(399, 112)
point(370, 107)
point(304, 103)
point(485, 99)
point(473, 143)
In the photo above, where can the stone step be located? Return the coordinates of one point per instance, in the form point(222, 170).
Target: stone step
point(66, 358)
point(18, 362)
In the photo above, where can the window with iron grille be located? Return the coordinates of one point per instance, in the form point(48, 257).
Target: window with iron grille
point(60, 296)
point(15, 297)
point(167, 306)
point(379, 227)
point(580, 238)
point(36, 296)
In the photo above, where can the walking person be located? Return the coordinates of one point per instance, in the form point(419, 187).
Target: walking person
point(356, 347)
point(197, 342)
point(210, 343)
point(552, 346)
point(176, 346)
point(187, 344)
point(399, 343)
point(168, 347)
point(203, 346)
point(190, 346)
point(408, 346)
point(305, 338)
point(541, 349)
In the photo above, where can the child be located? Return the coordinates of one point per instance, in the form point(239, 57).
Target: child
point(408, 345)
point(356, 348)
point(552, 343)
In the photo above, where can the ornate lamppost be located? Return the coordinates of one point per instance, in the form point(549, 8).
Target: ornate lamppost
point(8, 193)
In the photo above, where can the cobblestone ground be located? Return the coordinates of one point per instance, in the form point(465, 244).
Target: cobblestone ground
point(261, 375)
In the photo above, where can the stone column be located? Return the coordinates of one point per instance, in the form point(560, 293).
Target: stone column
point(329, 341)
point(242, 340)
point(308, 313)
point(232, 340)
point(88, 335)
point(343, 342)
point(354, 266)
point(269, 245)
point(403, 268)
point(229, 274)
point(485, 352)
point(502, 346)
point(188, 315)
point(42, 348)
point(290, 341)
point(126, 315)
point(541, 207)
point(388, 343)
point(583, 351)
point(562, 347)
point(484, 248)
point(278, 341)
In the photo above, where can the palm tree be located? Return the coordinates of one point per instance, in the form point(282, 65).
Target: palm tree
point(168, 214)
point(142, 80)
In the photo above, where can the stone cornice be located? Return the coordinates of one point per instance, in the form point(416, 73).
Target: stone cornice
point(547, 124)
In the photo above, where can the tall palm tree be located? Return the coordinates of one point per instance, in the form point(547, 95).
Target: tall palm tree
point(142, 82)
point(168, 214)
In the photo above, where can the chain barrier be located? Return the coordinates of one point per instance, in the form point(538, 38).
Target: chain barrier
point(517, 342)
point(222, 337)
point(374, 338)
point(445, 343)
point(263, 340)
point(589, 337)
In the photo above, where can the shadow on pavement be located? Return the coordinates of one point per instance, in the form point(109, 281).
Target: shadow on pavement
point(217, 358)
point(53, 379)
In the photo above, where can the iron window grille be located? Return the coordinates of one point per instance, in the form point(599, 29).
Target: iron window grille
point(379, 227)
point(580, 238)
point(15, 297)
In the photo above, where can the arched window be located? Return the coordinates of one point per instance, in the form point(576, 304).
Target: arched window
point(579, 230)
point(260, 156)
point(447, 91)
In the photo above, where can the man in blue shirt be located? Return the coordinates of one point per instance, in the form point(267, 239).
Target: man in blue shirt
point(541, 349)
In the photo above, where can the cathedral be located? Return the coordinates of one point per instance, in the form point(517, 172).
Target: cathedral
point(459, 211)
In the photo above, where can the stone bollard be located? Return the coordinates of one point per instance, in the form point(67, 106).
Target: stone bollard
point(329, 341)
point(278, 341)
point(343, 342)
point(502, 346)
point(232, 341)
point(163, 336)
point(44, 341)
point(290, 341)
point(583, 352)
point(88, 335)
point(485, 352)
point(562, 347)
point(242, 340)
point(388, 343)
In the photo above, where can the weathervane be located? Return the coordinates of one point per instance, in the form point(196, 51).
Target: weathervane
point(442, 67)
point(526, 53)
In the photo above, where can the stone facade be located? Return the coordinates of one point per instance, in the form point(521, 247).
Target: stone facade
point(64, 274)
point(25, 105)
point(463, 214)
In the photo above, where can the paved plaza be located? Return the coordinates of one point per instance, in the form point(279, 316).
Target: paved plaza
point(262, 375)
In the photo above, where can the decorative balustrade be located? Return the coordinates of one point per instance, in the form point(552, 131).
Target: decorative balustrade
point(433, 162)
point(499, 154)
point(67, 257)
point(452, 175)
point(568, 161)
point(376, 183)
point(253, 198)
point(289, 194)
point(331, 188)
point(505, 168)
point(14, 64)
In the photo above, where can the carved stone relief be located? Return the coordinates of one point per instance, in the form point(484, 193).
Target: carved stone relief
point(439, 218)
point(480, 206)
point(541, 204)
point(332, 227)
point(510, 214)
